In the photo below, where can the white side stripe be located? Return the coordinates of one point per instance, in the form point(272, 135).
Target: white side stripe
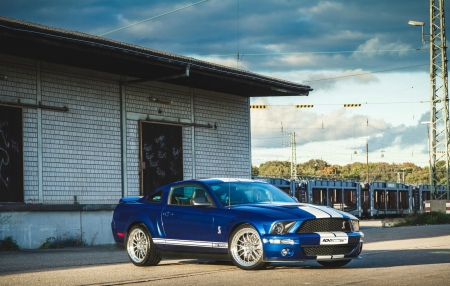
point(189, 242)
point(193, 243)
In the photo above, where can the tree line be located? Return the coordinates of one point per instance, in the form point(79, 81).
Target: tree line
point(407, 173)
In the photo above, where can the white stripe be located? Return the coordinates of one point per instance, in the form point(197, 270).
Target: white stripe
point(159, 240)
point(220, 245)
point(189, 242)
point(323, 257)
point(339, 256)
point(340, 234)
point(315, 212)
point(331, 212)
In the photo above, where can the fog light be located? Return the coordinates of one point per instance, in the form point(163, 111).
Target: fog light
point(287, 252)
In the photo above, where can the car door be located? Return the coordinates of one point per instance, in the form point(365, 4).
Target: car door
point(188, 227)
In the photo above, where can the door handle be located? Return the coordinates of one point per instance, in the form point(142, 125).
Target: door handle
point(167, 213)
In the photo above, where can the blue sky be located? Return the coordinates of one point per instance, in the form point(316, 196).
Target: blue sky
point(348, 51)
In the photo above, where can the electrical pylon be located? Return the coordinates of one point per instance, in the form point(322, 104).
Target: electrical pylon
point(293, 144)
point(438, 95)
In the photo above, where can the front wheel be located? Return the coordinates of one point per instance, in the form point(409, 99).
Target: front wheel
point(246, 249)
point(140, 247)
point(335, 263)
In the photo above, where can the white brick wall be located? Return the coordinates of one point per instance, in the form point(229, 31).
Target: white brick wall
point(30, 157)
point(223, 152)
point(82, 147)
point(133, 157)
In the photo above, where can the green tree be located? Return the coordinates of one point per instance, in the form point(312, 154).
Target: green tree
point(255, 171)
point(275, 169)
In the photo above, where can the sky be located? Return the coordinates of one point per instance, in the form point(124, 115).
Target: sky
point(349, 51)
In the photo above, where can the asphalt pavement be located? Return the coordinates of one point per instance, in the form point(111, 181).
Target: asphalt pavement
point(72, 257)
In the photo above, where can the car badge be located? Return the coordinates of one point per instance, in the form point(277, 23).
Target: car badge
point(343, 225)
point(218, 230)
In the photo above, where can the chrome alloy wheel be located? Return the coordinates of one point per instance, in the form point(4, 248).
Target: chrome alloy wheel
point(138, 245)
point(246, 247)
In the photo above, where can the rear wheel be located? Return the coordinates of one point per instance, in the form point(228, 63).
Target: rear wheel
point(140, 247)
point(334, 263)
point(246, 249)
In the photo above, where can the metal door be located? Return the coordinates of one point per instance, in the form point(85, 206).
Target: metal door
point(161, 155)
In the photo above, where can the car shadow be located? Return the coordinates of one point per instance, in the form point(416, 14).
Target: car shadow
point(370, 259)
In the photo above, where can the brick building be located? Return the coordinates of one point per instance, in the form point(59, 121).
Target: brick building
point(85, 121)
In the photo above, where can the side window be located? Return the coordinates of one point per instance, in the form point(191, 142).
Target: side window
point(183, 195)
point(155, 198)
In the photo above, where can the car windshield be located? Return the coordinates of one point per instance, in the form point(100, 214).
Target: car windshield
point(235, 193)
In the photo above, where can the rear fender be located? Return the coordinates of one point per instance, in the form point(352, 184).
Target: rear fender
point(153, 227)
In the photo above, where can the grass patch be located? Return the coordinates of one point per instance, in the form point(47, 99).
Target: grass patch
point(425, 218)
point(8, 244)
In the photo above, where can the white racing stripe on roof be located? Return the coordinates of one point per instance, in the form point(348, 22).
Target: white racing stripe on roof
point(315, 212)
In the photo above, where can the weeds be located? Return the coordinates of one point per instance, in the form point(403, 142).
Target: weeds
point(425, 218)
point(8, 244)
point(61, 241)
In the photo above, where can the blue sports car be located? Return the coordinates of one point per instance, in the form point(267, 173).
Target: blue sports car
point(251, 223)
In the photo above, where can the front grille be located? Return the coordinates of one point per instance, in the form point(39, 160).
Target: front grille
point(325, 225)
point(328, 250)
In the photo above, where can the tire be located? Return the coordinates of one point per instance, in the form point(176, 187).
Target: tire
point(245, 248)
point(335, 263)
point(140, 247)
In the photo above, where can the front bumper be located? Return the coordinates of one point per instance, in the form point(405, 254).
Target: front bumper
point(314, 246)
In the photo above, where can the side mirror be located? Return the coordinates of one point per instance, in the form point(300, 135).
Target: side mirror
point(200, 202)
point(295, 199)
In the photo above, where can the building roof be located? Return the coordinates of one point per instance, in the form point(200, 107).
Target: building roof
point(82, 50)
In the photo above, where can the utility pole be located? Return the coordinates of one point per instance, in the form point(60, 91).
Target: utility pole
point(293, 144)
point(367, 157)
point(439, 116)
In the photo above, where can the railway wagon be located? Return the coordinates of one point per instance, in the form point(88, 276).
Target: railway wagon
point(340, 195)
point(390, 199)
point(422, 193)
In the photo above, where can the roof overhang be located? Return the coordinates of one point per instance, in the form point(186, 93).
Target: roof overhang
point(76, 49)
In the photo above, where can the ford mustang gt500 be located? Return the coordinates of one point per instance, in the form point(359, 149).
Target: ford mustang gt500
point(251, 223)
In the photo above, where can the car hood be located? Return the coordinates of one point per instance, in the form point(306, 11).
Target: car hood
point(292, 211)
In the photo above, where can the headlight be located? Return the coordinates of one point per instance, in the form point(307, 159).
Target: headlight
point(281, 227)
point(355, 224)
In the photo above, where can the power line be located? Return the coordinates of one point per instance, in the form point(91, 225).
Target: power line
point(302, 53)
point(341, 104)
point(366, 73)
point(151, 18)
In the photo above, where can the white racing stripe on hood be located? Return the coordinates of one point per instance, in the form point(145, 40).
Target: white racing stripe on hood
point(331, 212)
point(315, 212)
